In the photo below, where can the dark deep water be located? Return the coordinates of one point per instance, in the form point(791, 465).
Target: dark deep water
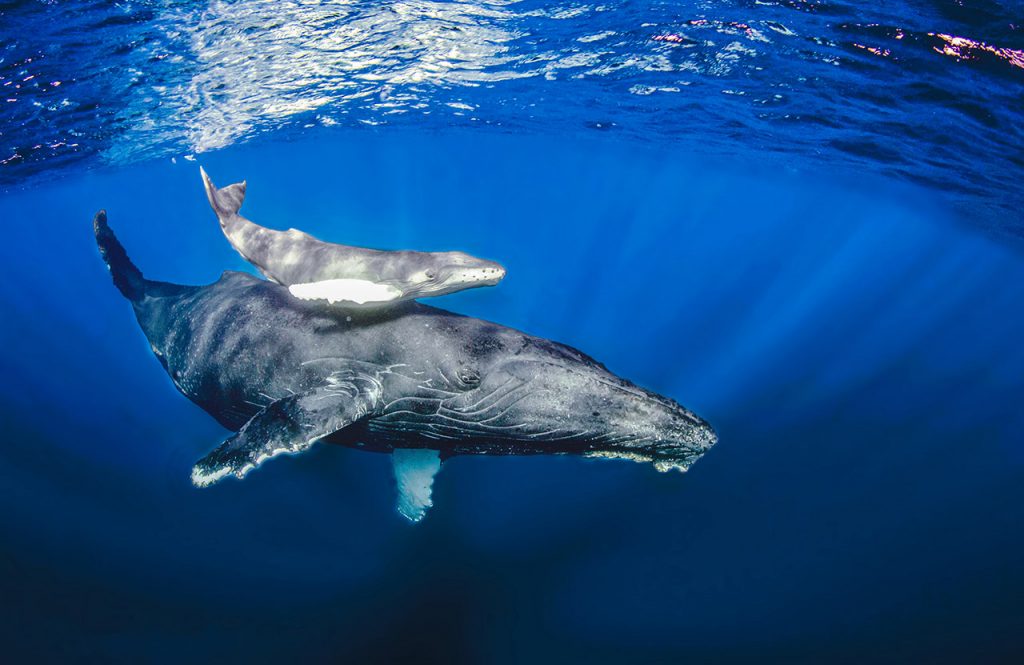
point(837, 291)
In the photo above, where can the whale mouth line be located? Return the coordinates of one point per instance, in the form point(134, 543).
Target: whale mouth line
point(664, 454)
point(436, 421)
point(457, 282)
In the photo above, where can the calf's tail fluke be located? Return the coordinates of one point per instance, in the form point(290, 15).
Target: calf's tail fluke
point(226, 201)
point(127, 278)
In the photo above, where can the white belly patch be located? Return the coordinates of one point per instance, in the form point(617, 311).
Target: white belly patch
point(358, 291)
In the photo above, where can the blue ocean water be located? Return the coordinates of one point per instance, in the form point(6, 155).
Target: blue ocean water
point(799, 219)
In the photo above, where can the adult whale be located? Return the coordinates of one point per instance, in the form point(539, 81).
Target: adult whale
point(414, 380)
point(355, 276)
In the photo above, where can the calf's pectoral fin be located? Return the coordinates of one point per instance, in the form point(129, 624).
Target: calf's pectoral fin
point(290, 425)
point(415, 469)
point(358, 291)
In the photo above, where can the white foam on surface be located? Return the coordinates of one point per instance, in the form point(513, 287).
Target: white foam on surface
point(358, 291)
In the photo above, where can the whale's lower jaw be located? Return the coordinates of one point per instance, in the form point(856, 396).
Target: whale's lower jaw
point(370, 437)
point(356, 291)
point(661, 464)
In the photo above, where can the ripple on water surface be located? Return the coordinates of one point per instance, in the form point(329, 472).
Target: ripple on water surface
point(926, 92)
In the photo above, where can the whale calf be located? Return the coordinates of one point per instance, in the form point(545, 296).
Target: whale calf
point(355, 276)
point(412, 380)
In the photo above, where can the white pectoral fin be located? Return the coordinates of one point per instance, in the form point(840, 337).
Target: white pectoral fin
point(358, 291)
point(415, 469)
point(287, 426)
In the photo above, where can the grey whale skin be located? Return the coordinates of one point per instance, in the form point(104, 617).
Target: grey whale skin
point(414, 380)
point(356, 276)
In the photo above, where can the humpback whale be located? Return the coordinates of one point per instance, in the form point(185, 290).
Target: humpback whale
point(415, 381)
point(356, 276)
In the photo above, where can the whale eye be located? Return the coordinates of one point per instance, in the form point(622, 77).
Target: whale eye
point(469, 376)
point(431, 274)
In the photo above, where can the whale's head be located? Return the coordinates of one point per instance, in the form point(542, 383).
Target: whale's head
point(448, 272)
point(534, 396)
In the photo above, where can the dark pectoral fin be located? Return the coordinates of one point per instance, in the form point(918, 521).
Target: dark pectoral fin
point(289, 425)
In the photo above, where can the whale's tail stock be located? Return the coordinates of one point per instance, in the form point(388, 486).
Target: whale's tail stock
point(127, 278)
point(227, 201)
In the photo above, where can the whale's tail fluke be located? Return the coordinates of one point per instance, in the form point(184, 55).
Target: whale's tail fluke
point(127, 278)
point(227, 201)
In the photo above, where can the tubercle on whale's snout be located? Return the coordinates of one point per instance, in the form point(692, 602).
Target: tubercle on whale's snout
point(459, 280)
point(684, 444)
point(665, 432)
point(491, 274)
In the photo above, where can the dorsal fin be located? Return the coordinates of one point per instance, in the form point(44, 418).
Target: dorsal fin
point(226, 201)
